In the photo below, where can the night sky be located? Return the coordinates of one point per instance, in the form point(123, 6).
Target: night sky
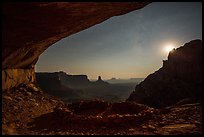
point(127, 46)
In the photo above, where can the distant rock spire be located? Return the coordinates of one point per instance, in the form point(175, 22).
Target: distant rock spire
point(101, 82)
point(99, 78)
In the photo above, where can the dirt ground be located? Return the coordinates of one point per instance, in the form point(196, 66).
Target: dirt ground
point(27, 110)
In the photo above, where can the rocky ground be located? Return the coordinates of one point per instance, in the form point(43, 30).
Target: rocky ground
point(27, 110)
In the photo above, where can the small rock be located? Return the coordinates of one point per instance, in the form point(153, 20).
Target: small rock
point(32, 100)
point(3, 120)
point(31, 116)
point(15, 107)
point(40, 91)
point(8, 98)
point(21, 89)
point(151, 127)
point(61, 102)
point(131, 129)
point(53, 100)
point(35, 89)
point(32, 87)
point(29, 93)
point(45, 129)
point(99, 117)
point(17, 125)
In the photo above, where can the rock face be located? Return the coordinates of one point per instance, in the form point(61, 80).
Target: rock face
point(48, 81)
point(179, 78)
point(30, 28)
point(60, 84)
point(61, 81)
point(14, 77)
point(57, 79)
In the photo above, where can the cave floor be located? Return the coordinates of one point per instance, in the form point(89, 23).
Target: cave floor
point(26, 110)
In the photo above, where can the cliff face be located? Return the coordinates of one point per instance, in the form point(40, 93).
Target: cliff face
point(59, 84)
point(30, 28)
point(14, 77)
point(70, 88)
point(57, 80)
point(179, 78)
point(48, 81)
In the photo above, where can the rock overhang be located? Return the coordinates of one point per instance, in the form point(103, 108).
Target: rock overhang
point(29, 28)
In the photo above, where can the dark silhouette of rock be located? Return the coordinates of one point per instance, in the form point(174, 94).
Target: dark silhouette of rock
point(100, 82)
point(55, 84)
point(62, 78)
point(99, 78)
point(70, 87)
point(131, 80)
point(179, 78)
point(32, 35)
point(59, 79)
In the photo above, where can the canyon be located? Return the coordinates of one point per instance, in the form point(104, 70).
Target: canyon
point(73, 88)
point(167, 102)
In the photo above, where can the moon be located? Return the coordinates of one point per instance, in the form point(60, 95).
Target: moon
point(169, 47)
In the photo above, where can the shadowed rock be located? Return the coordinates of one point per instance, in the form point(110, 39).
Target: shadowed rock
point(179, 78)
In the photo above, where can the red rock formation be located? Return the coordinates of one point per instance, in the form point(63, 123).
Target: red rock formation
point(30, 28)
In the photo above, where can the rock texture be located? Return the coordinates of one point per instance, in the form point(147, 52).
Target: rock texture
point(14, 77)
point(30, 28)
point(27, 111)
point(179, 78)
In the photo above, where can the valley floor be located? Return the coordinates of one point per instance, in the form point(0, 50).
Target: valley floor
point(27, 110)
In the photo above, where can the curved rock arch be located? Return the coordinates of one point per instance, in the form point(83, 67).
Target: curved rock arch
point(30, 28)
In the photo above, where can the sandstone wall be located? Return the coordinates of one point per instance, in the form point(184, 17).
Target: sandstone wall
point(14, 77)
